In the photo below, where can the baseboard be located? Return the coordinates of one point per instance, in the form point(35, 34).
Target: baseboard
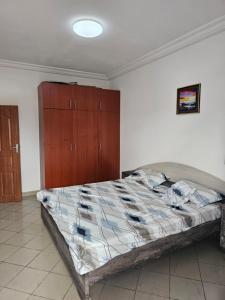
point(29, 194)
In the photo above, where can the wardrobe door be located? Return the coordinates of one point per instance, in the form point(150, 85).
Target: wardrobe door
point(85, 129)
point(56, 95)
point(86, 146)
point(58, 150)
point(109, 135)
point(85, 98)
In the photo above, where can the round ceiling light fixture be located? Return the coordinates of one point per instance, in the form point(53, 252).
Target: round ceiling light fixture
point(87, 28)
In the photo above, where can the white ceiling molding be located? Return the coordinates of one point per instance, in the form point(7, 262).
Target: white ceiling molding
point(186, 40)
point(51, 70)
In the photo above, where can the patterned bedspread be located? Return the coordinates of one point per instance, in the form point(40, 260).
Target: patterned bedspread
point(102, 220)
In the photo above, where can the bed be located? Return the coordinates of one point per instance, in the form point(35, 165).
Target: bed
point(100, 230)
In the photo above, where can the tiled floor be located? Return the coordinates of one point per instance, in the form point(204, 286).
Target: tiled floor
point(31, 268)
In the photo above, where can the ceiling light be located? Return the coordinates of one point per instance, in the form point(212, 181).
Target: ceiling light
point(87, 28)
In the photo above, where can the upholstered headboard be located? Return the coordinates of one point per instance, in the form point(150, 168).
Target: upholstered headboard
point(176, 171)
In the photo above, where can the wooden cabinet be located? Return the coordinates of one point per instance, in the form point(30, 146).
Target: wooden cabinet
point(79, 134)
point(57, 96)
point(109, 134)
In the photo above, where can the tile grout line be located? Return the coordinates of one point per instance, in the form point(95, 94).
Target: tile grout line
point(196, 255)
point(137, 283)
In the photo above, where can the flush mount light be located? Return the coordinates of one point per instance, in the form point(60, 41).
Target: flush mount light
point(87, 28)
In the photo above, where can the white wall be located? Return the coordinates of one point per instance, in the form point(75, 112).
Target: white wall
point(19, 87)
point(150, 129)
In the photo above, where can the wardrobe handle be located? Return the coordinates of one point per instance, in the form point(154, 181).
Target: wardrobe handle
point(71, 147)
point(100, 147)
point(100, 105)
point(70, 104)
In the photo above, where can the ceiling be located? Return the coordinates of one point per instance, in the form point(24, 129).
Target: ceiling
point(40, 32)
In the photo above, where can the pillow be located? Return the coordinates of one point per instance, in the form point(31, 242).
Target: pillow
point(196, 193)
point(149, 177)
point(174, 200)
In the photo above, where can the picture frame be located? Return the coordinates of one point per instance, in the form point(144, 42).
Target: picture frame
point(188, 99)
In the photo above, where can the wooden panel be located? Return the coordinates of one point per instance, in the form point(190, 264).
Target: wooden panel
point(109, 100)
point(53, 95)
point(58, 126)
point(10, 177)
point(85, 98)
point(58, 166)
point(58, 139)
point(109, 134)
point(85, 125)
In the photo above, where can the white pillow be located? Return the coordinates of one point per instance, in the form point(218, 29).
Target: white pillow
point(173, 199)
point(196, 193)
point(149, 177)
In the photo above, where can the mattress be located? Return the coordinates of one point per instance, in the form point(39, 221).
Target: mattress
point(100, 221)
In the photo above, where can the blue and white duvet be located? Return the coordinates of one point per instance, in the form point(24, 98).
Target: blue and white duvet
point(102, 220)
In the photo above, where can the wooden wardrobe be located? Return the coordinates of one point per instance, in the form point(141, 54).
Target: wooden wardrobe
point(79, 134)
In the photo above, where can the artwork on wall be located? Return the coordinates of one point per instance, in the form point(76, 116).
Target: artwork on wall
point(188, 99)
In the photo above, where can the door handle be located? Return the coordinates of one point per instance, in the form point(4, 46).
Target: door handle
point(16, 147)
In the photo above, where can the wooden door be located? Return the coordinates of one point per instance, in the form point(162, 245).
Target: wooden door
point(85, 129)
point(10, 174)
point(109, 135)
point(55, 95)
point(58, 147)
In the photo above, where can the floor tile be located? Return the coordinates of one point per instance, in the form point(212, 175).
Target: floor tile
point(19, 239)
point(145, 296)
point(72, 294)
point(186, 289)
point(8, 272)
point(60, 268)
point(22, 256)
point(35, 229)
point(6, 251)
point(3, 214)
point(32, 297)
point(213, 273)
point(54, 287)
point(17, 226)
point(39, 243)
point(96, 290)
point(214, 291)
point(5, 235)
point(154, 283)
point(4, 223)
point(127, 279)
point(210, 253)
point(7, 294)
point(112, 292)
point(27, 280)
point(14, 216)
point(184, 263)
point(160, 265)
point(31, 218)
point(46, 260)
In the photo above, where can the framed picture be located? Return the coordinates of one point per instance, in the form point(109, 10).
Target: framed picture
point(188, 99)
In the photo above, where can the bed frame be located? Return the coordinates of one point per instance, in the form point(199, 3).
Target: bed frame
point(152, 250)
